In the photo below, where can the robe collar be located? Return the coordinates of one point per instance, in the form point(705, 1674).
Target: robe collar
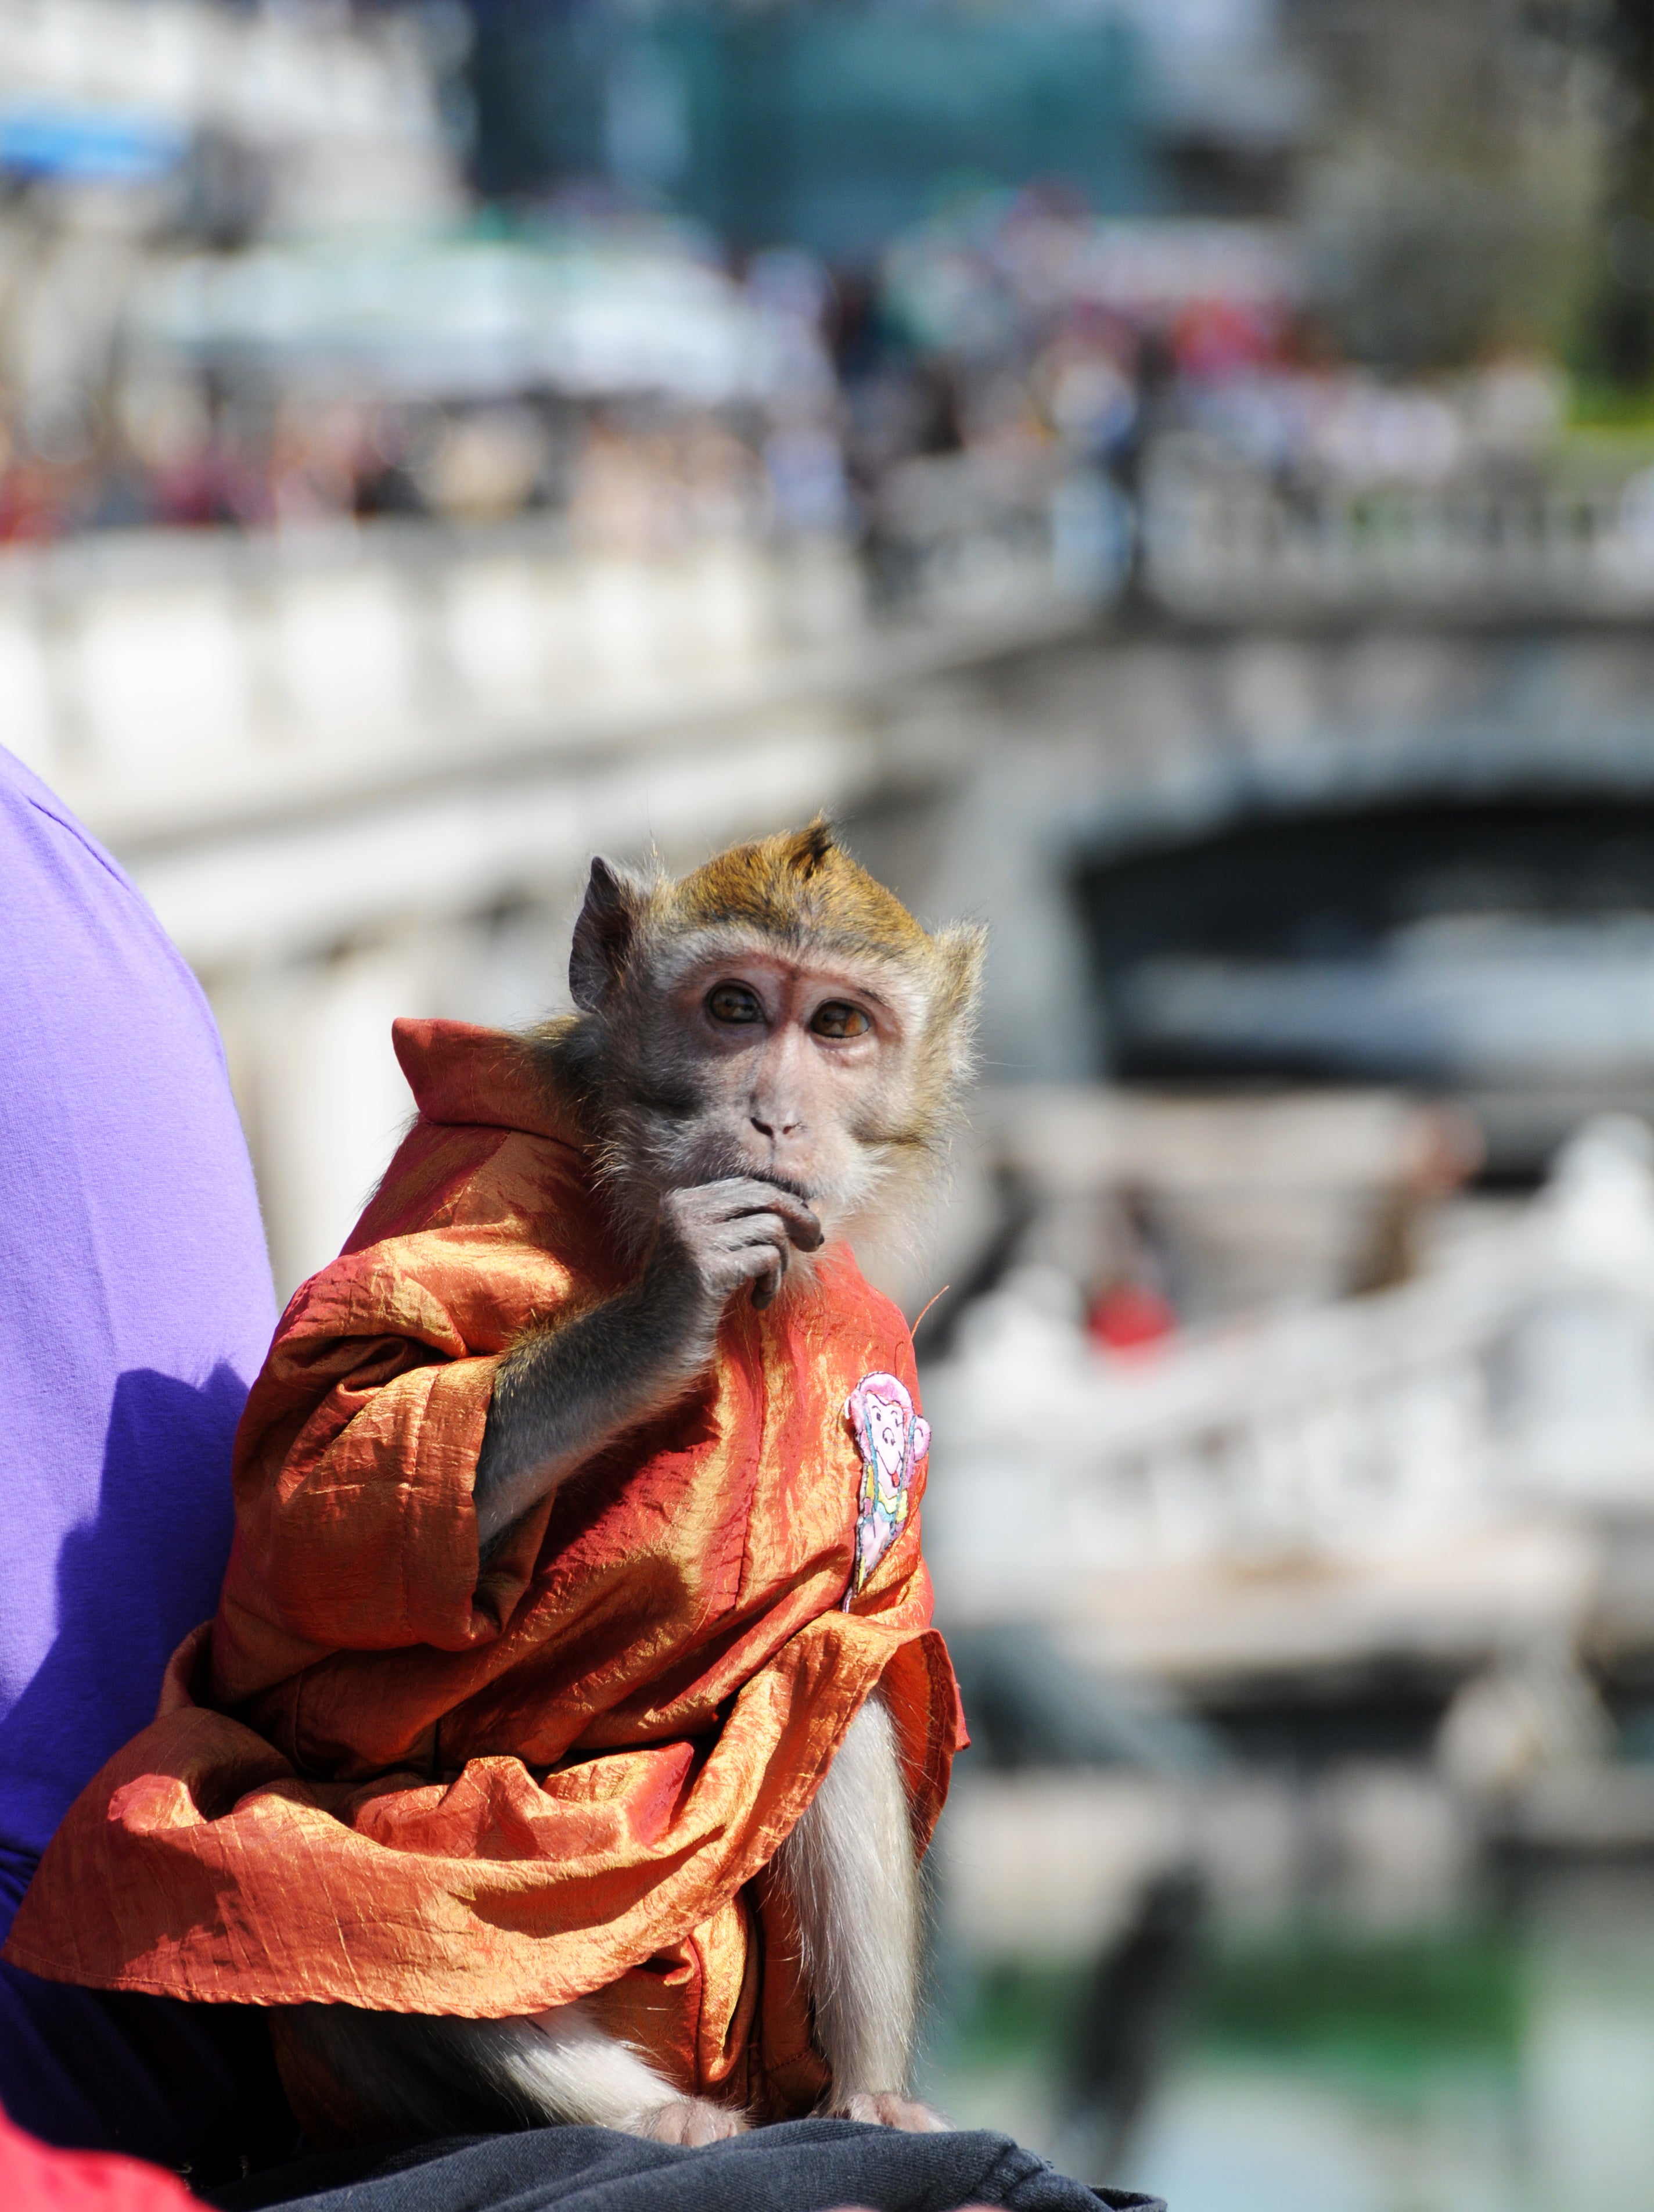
point(459, 1073)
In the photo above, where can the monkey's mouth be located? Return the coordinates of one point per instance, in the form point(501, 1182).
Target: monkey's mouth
point(732, 1158)
point(789, 1183)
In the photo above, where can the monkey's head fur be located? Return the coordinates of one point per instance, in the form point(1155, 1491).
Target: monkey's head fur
point(775, 1014)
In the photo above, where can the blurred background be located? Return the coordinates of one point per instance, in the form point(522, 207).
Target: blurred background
point(1176, 479)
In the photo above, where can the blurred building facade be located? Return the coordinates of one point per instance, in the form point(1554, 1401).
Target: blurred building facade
point(834, 128)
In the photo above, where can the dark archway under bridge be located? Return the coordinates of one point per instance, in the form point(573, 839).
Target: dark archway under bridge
point(1499, 951)
point(1184, 836)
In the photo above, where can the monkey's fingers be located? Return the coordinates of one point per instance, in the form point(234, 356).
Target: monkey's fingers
point(755, 1195)
point(803, 1225)
point(692, 2121)
point(809, 1234)
point(884, 2108)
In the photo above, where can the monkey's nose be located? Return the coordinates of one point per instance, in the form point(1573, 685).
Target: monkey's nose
point(773, 1129)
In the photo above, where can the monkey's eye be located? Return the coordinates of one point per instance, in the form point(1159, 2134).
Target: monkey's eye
point(734, 1003)
point(838, 1018)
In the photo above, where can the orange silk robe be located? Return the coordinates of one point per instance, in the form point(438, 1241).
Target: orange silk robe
point(394, 1780)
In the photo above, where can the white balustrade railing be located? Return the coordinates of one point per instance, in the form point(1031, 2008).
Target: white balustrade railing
point(1225, 541)
point(1519, 1375)
point(959, 533)
point(144, 670)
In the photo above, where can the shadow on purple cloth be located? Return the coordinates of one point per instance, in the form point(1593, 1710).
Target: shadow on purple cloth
point(800, 2166)
point(190, 2086)
point(163, 1498)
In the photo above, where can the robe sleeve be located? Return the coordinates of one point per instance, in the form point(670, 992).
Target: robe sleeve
point(355, 1463)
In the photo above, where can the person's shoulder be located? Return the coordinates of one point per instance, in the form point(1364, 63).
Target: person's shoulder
point(51, 850)
point(31, 804)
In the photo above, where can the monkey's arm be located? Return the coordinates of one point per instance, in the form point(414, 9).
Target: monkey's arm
point(561, 1396)
point(850, 1867)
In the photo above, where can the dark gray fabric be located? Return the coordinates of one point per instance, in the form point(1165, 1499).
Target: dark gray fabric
point(801, 2166)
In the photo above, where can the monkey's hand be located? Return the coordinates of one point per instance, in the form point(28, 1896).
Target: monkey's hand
point(560, 1395)
point(692, 2120)
point(714, 1236)
point(882, 2108)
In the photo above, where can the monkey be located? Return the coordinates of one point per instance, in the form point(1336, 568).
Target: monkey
point(756, 1092)
point(766, 1059)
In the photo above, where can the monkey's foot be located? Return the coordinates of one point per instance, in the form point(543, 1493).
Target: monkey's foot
point(690, 2121)
point(884, 2109)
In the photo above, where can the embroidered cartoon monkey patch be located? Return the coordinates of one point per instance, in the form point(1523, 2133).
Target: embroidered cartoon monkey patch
point(892, 1439)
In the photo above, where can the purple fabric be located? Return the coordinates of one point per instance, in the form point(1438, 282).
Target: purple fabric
point(135, 1307)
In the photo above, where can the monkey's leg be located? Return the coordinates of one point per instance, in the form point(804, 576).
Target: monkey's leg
point(850, 1867)
point(361, 2077)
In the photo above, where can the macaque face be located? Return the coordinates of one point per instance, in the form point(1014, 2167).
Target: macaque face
point(790, 1070)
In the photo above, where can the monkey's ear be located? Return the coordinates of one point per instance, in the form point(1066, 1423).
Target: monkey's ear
point(602, 935)
point(961, 951)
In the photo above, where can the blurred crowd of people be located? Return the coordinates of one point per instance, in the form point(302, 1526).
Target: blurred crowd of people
point(1038, 342)
point(1009, 355)
point(651, 401)
point(175, 457)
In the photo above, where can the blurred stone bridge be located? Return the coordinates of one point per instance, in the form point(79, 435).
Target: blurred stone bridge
point(361, 774)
